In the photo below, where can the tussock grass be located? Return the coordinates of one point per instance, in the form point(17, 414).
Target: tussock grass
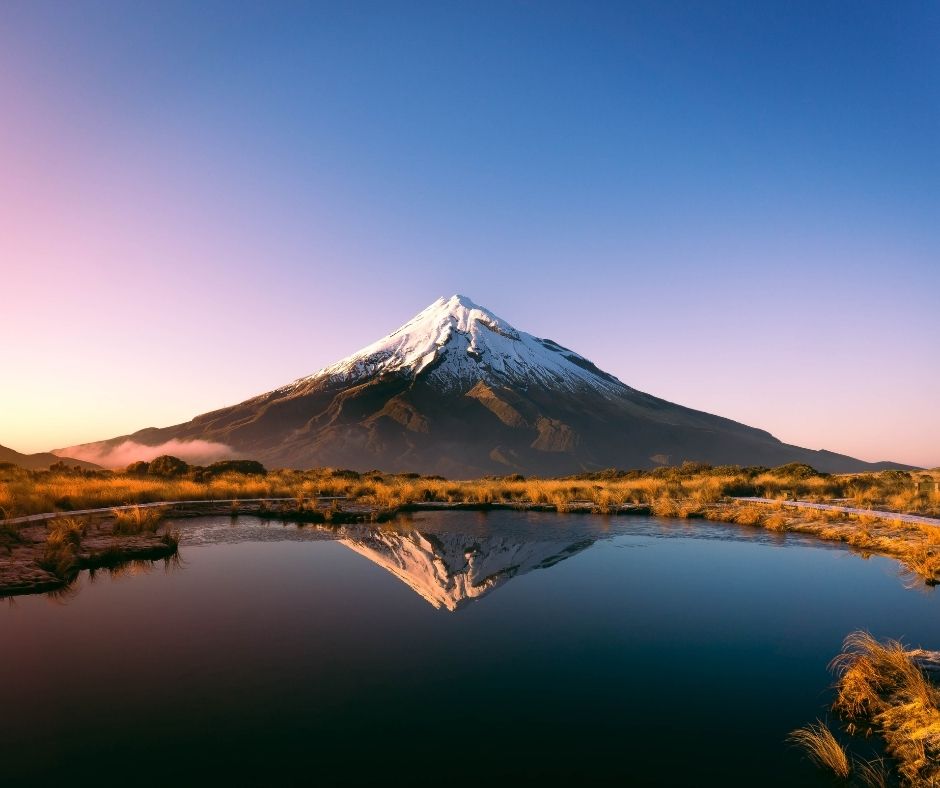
point(881, 689)
point(66, 530)
point(872, 773)
point(137, 520)
point(62, 544)
point(171, 537)
point(690, 490)
point(693, 486)
point(822, 747)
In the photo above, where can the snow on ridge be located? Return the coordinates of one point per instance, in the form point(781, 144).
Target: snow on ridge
point(467, 343)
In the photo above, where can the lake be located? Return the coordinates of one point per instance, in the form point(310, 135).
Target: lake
point(444, 648)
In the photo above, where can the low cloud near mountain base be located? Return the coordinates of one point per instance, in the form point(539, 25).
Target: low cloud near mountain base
point(199, 452)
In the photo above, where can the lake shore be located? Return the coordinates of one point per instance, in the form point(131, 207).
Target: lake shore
point(98, 540)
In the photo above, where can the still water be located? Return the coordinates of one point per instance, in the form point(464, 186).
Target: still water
point(445, 649)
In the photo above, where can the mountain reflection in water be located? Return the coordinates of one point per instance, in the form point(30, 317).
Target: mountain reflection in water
point(273, 651)
point(450, 570)
point(447, 566)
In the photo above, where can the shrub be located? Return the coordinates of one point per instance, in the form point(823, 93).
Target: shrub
point(797, 470)
point(247, 467)
point(168, 466)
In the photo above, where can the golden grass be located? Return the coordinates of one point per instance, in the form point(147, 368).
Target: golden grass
point(693, 488)
point(32, 493)
point(872, 773)
point(882, 689)
point(669, 492)
point(62, 542)
point(137, 520)
point(822, 748)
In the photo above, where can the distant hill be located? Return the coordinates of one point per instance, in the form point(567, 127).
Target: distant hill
point(460, 392)
point(40, 461)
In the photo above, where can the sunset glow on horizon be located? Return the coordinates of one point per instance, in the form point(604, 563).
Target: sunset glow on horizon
point(730, 209)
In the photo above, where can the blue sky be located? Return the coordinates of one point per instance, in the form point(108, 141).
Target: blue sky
point(732, 205)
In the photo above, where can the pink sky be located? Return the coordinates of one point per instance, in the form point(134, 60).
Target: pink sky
point(183, 228)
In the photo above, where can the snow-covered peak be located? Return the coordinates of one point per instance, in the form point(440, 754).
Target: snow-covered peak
point(458, 343)
point(460, 312)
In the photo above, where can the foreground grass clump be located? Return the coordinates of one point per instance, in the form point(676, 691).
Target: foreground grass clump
point(62, 544)
point(137, 520)
point(822, 748)
point(883, 689)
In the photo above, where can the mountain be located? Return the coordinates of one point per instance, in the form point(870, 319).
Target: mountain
point(460, 392)
point(450, 570)
point(41, 461)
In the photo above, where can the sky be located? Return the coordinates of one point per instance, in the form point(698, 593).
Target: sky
point(734, 206)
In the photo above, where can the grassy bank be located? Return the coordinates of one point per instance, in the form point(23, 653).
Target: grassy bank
point(686, 491)
point(47, 556)
point(691, 487)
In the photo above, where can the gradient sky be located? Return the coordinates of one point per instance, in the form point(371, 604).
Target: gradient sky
point(735, 206)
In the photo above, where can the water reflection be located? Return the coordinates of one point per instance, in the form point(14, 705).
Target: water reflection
point(264, 661)
point(450, 570)
point(447, 561)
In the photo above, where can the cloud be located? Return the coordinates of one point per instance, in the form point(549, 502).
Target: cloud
point(198, 452)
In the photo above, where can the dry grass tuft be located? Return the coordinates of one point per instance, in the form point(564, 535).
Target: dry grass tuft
point(665, 507)
point(749, 515)
point(822, 748)
point(62, 543)
point(872, 773)
point(137, 520)
point(881, 687)
point(777, 521)
point(924, 561)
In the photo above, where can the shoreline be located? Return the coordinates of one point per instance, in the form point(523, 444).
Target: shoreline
point(572, 507)
point(911, 539)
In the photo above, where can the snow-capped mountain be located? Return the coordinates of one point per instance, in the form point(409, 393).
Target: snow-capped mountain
point(460, 392)
point(457, 343)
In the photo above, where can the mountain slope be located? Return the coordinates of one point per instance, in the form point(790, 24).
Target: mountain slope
point(460, 392)
point(40, 461)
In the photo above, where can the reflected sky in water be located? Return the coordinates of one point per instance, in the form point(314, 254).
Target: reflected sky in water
point(481, 647)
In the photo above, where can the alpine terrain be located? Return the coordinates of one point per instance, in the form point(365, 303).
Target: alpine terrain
point(460, 392)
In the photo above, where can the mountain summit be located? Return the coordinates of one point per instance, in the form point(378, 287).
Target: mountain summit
point(455, 343)
point(460, 392)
